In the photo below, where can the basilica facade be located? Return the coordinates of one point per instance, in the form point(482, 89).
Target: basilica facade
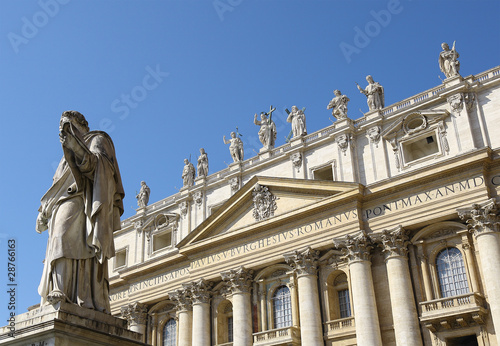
point(377, 231)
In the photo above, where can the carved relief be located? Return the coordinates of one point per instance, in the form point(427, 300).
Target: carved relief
point(135, 313)
point(183, 206)
point(304, 262)
point(373, 134)
point(357, 248)
point(200, 291)
point(414, 123)
point(441, 233)
point(442, 134)
point(296, 160)
point(395, 149)
point(456, 103)
point(198, 198)
point(138, 225)
point(342, 142)
point(182, 298)
point(469, 99)
point(264, 203)
point(235, 184)
point(395, 243)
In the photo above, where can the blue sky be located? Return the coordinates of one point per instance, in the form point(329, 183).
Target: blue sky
point(165, 78)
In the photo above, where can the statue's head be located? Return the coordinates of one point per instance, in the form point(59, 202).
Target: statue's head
point(337, 92)
point(186, 161)
point(143, 183)
point(369, 79)
point(233, 134)
point(294, 108)
point(202, 151)
point(263, 116)
point(76, 119)
point(445, 46)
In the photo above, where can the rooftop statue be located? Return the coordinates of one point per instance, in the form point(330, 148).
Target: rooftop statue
point(374, 93)
point(338, 105)
point(235, 147)
point(81, 210)
point(267, 132)
point(188, 174)
point(298, 120)
point(448, 61)
point(202, 163)
point(143, 195)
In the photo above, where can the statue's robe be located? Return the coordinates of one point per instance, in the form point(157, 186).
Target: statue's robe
point(83, 206)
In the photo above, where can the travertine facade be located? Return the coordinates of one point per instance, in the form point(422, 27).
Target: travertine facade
point(379, 231)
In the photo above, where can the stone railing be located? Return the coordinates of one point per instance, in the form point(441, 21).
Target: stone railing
point(225, 344)
point(340, 327)
point(469, 303)
point(288, 335)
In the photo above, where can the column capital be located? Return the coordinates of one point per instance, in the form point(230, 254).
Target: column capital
point(200, 291)
point(135, 313)
point(481, 218)
point(355, 248)
point(394, 243)
point(304, 262)
point(182, 299)
point(238, 280)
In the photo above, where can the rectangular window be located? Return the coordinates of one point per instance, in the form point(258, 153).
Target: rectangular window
point(120, 258)
point(420, 148)
point(230, 329)
point(162, 240)
point(344, 303)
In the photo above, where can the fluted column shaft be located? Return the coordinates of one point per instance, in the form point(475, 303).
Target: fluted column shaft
point(483, 221)
point(357, 251)
point(305, 264)
point(404, 312)
point(200, 295)
point(240, 282)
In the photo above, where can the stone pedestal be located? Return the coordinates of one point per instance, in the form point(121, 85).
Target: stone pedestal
point(67, 324)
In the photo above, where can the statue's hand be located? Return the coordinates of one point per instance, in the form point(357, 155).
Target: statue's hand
point(41, 223)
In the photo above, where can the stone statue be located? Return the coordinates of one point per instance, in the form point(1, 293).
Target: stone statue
point(267, 132)
point(338, 105)
point(188, 174)
point(235, 147)
point(81, 210)
point(298, 120)
point(202, 163)
point(143, 195)
point(448, 61)
point(374, 93)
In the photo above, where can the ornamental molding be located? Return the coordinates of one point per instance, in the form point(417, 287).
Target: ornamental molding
point(235, 184)
point(135, 313)
point(394, 243)
point(264, 203)
point(183, 207)
point(343, 142)
point(238, 280)
point(373, 135)
point(198, 198)
point(304, 262)
point(296, 159)
point(481, 218)
point(355, 248)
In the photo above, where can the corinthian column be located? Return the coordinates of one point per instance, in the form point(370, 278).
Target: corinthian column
point(182, 298)
point(483, 222)
point(305, 264)
point(404, 313)
point(357, 250)
point(136, 314)
point(200, 296)
point(240, 282)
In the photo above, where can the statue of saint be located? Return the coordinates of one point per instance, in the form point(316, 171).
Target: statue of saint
point(267, 132)
point(81, 210)
point(188, 174)
point(202, 163)
point(143, 195)
point(374, 93)
point(298, 120)
point(338, 105)
point(448, 61)
point(235, 147)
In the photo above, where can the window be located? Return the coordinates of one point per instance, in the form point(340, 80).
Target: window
point(344, 303)
point(230, 329)
point(170, 333)
point(282, 307)
point(162, 240)
point(120, 258)
point(451, 273)
point(420, 147)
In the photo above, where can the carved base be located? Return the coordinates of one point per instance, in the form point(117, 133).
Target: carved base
point(68, 324)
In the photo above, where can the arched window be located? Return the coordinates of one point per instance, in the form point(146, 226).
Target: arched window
point(282, 307)
point(451, 273)
point(341, 286)
point(170, 333)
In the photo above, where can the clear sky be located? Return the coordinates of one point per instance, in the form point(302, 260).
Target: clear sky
point(165, 78)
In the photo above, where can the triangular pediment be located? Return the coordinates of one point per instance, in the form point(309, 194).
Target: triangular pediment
point(276, 198)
